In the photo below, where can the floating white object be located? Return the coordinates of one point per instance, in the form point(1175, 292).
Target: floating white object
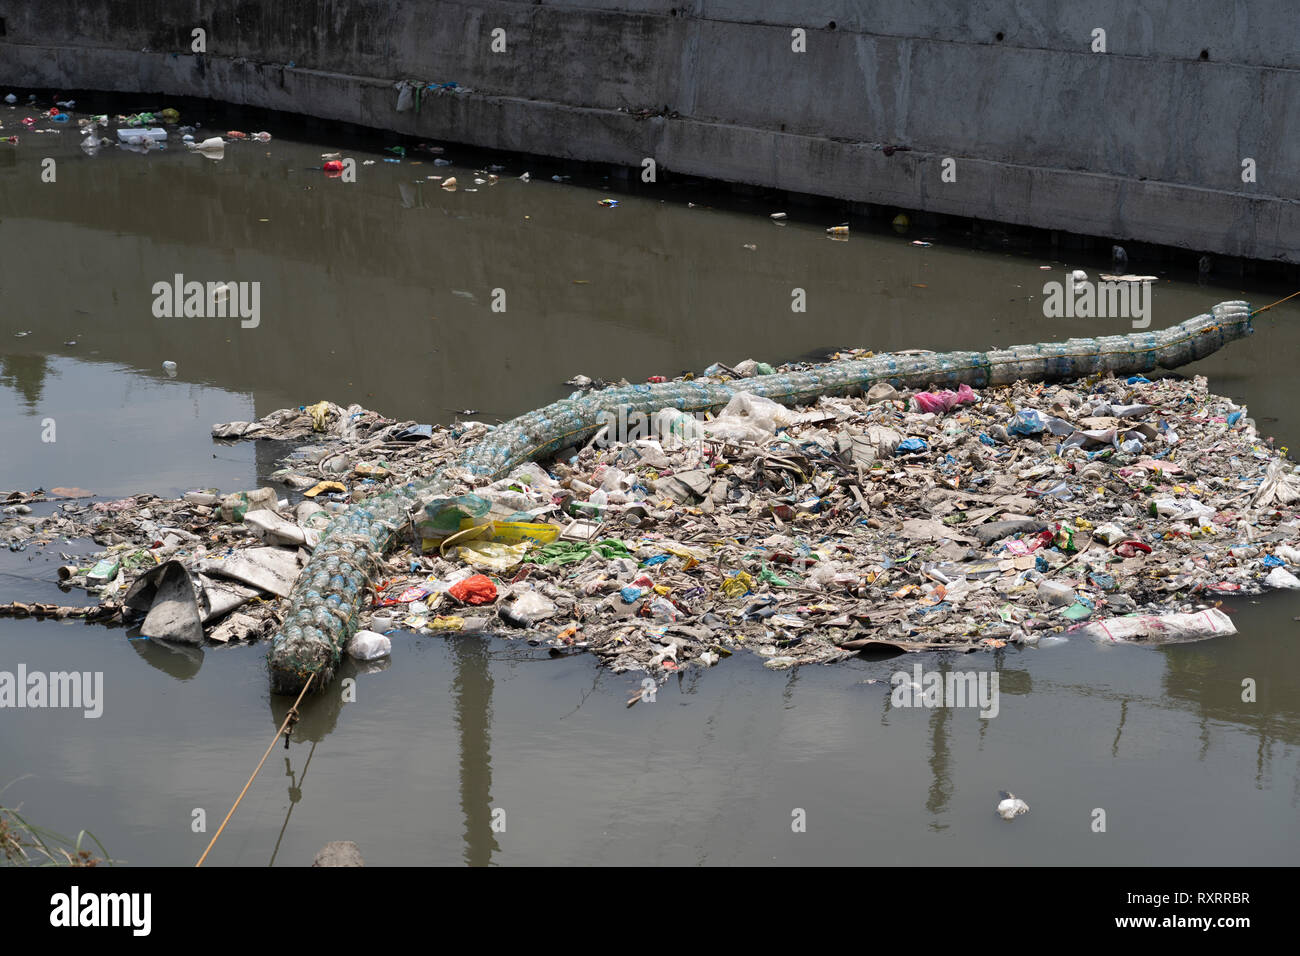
point(136, 136)
point(214, 144)
point(1281, 578)
point(1160, 628)
point(369, 646)
point(1011, 806)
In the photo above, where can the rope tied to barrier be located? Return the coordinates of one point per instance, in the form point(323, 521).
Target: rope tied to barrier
point(289, 720)
point(1278, 302)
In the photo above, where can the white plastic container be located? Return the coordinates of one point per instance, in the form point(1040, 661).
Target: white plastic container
point(137, 136)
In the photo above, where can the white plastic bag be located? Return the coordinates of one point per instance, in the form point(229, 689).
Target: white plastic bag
point(528, 608)
point(1160, 629)
point(823, 576)
point(1183, 509)
point(1281, 485)
point(369, 646)
point(1281, 578)
point(651, 452)
point(405, 96)
point(749, 417)
point(1287, 553)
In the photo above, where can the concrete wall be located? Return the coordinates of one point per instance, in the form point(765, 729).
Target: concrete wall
point(1145, 141)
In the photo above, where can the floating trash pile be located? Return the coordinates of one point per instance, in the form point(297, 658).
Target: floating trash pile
point(1116, 508)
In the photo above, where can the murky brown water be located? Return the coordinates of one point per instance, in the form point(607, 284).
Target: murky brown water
point(380, 292)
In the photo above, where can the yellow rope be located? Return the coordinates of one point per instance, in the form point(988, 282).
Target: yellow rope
point(1278, 302)
point(292, 715)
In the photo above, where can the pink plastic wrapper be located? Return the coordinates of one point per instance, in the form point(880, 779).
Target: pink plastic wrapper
point(944, 401)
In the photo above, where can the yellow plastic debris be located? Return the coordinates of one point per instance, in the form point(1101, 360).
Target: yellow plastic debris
point(492, 555)
point(318, 413)
point(515, 532)
point(324, 486)
point(738, 584)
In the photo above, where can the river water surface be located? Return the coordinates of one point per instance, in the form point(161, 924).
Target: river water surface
point(478, 750)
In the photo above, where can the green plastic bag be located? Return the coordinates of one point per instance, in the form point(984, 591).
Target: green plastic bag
point(443, 516)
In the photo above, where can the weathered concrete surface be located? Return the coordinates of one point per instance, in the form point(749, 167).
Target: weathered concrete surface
point(1145, 141)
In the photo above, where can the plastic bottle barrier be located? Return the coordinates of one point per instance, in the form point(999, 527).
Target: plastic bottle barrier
point(324, 607)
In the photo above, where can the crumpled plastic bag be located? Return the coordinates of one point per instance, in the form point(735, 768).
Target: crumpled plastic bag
point(749, 417)
point(405, 95)
point(944, 401)
point(320, 413)
point(1027, 422)
point(739, 583)
point(877, 442)
point(573, 552)
point(823, 576)
point(1288, 554)
point(1160, 629)
point(651, 452)
point(1281, 485)
point(1183, 509)
point(528, 608)
point(476, 589)
point(443, 516)
point(1281, 578)
point(369, 646)
point(491, 555)
point(536, 477)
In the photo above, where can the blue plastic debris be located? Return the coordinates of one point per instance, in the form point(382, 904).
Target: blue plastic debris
point(1028, 422)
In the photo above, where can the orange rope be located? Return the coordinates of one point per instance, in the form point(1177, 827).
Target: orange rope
point(1278, 302)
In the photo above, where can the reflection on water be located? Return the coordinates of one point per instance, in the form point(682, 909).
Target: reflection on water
point(379, 292)
point(180, 661)
point(472, 690)
point(295, 793)
point(25, 374)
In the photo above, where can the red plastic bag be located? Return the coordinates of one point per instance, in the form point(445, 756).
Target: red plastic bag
point(1129, 548)
point(477, 589)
